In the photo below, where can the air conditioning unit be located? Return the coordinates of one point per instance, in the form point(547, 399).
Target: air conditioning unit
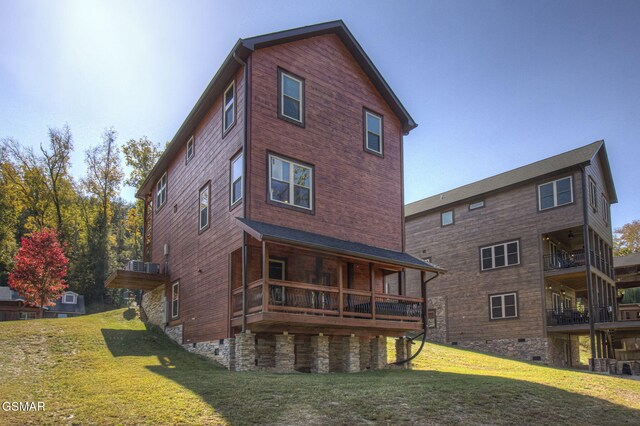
point(135, 266)
point(151, 268)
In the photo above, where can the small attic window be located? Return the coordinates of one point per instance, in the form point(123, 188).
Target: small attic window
point(70, 298)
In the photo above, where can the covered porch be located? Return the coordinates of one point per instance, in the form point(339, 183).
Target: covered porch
point(304, 283)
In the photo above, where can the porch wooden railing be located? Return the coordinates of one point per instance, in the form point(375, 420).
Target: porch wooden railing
point(302, 298)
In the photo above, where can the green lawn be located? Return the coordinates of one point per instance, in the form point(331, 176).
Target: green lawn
point(108, 369)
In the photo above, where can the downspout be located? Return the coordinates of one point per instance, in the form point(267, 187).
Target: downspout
point(424, 322)
point(587, 255)
point(244, 187)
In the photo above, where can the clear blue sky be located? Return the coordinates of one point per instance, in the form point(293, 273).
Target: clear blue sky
point(493, 84)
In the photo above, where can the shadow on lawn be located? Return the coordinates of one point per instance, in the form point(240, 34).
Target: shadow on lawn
point(388, 396)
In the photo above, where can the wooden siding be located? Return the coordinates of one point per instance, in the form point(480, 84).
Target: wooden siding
point(596, 220)
point(358, 196)
point(200, 261)
point(508, 215)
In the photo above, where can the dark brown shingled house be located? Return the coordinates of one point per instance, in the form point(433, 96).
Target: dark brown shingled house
point(276, 213)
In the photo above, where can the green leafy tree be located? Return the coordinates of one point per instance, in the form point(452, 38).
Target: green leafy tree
point(627, 239)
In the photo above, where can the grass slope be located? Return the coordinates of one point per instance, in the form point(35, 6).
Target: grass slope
point(108, 369)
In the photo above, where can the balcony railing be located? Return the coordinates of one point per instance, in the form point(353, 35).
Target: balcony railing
point(310, 299)
point(579, 316)
point(563, 260)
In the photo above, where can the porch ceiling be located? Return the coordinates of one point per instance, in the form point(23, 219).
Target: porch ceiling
point(134, 280)
point(268, 232)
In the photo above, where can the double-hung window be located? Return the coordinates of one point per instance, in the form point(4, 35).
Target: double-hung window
point(504, 306)
point(190, 149)
point(605, 209)
point(236, 178)
point(203, 219)
point(446, 218)
point(593, 194)
point(290, 183)
point(291, 97)
point(161, 191)
point(500, 255)
point(229, 113)
point(555, 193)
point(372, 132)
point(175, 299)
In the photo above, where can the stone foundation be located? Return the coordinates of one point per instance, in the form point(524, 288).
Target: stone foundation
point(319, 354)
point(222, 351)
point(403, 351)
point(174, 333)
point(534, 349)
point(245, 351)
point(378, 352)
point(350, 354)
point(153, 305)
point(365, 353)
point(439, 332)
point(285, 353)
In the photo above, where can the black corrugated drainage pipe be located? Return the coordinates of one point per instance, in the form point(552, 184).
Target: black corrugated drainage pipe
point(424, 321)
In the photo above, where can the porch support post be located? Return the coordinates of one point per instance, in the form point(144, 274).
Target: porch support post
point(265, 277)
point(320, 354)
point(245, 351)
point(285, 353)
point(402, 351)
point(378, 352)
point(351, 354)
point(373, 295)
point(340, 287)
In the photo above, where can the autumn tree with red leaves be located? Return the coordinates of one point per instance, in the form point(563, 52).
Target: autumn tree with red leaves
point(40, 269)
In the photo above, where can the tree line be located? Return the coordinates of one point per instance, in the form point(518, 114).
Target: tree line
point(98, 230)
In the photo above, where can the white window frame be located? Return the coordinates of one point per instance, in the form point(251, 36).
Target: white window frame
point(453, 219)
point(284, 268)
point(190, 143)
point(74, 299)
point(175, 297)
point(161, 188)
point(292, 165)
point(205, 189)
point(555, 193)
point(493, 255)
point(232, 104)
point(556, 302)
point(299, 100)
point(502, 304)
point(605, 209)
point(368, 113)
point(233, 179)
point(476, 205)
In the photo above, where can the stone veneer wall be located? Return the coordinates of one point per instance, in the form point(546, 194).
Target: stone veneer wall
point(153, 305)
point(439, 333)
point(175, 333)
point(223, 352)
point(512, 348)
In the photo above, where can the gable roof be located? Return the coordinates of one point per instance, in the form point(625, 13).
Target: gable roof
point(265, 231)
point(240, 52)
point(69, 308)
point(558, 163)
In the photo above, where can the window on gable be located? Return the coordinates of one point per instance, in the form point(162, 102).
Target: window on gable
point(500, 255)
point(236, 178)
point(504, 306)
point(593, 194)
point(229, 113)
point(203, 220)
point(290, 183)
point(69, 298)
point(605, 209)
point(291, 97)
point(190, 148)
point(556, 193)
point(446, 218)
point(175, 299)
point(161, 191)
point(372, 132)
point(476, 205)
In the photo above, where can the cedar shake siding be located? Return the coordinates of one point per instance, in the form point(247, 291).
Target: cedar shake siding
point(352, 200)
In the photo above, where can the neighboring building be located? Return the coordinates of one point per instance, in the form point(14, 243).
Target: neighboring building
point(276, 212)
point(627, 270)
point(12, 306)
point(529, 255)
point(69, 305)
